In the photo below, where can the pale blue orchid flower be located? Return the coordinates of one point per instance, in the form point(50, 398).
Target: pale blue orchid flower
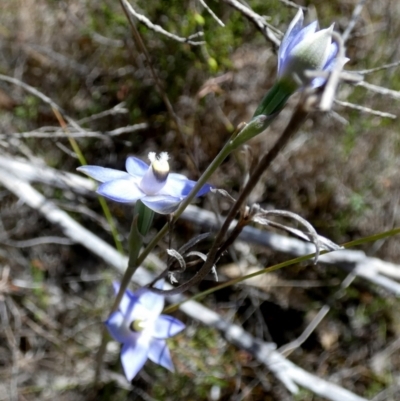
point(302, 50)
point(160, 190)
point(306, 48)
point(142, 330)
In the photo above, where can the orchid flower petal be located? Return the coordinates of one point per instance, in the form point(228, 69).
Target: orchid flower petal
point(179, 186)
point(163, 204)
point(127, 298)
point(159, 353)
point(293, 29)
point(126, 190)
point(118, 327)
point(160, 191)
point(329, 65)
point(152, 302)
point(333, 51)
point(133, 357)
point(167, 326)
point(204, 189)
point(304, 34)
point(103, 174)
point(136, 167)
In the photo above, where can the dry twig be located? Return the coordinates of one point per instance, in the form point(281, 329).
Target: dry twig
point(158, 29)
point(259, 21)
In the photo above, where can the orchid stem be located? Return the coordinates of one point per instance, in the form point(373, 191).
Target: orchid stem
point(298, 117)
point(141, 223)
point(222, 155)
point(255, 127)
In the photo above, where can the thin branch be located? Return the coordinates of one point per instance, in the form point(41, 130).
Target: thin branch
point(57, 133)
point(117, 109)
point(36, 241)
point(380, 89)
point(287, 349)
point(354, 18)
point(31, 90)
point(383, 67)
point(142, 47)
point(259, 21)
point(366, 109)
point(293, 4)
point(211, 12)
point(368, 268)
point(312, 233)
point(43, 97)
point(157, 28)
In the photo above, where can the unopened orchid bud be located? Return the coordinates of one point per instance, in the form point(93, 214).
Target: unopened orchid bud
point(302, 50)
point(305, 49)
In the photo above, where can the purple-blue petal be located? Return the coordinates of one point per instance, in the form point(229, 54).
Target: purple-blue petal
point(127, 299)
point(152, 302)
point(329, 65)
point(306, 31)
point(294, 40)
point(103, 174)
point(179, 186)
point(125, 191)
point(134, 356)
point(159, 284)
point(159, 354)
point(135, 166)
point(293, 29)
point(167, 326)
point(163, 204)
point(333, 51)
point(118, 327)
point(206, 188)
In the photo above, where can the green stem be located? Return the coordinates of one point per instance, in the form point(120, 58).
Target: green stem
point(296, 121)
point(222, 155)
point(275, 99)
point(141, 223)
point(111, 223)
point(255, 127)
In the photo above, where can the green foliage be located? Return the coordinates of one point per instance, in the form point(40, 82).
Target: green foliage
point(107, 18)
point(201, 365)
point(357, 204)
point(38, 279)
point(303, 395)
point(28, 110)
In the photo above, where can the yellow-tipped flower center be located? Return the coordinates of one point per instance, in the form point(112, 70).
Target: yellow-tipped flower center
point(160, 169)
point(156, 176)
point(138, 325)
